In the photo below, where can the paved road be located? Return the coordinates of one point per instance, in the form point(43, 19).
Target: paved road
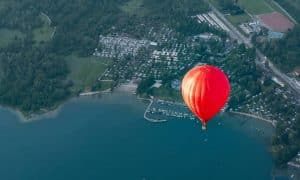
point(235, 34)
point(283, 77)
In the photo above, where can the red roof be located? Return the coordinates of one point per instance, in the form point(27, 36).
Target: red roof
point(276, 22)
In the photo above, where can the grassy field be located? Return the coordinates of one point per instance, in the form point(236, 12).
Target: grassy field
point(238, 19)
point(256, 7)
point(8, 36)
point(84, 72)
point(135, 7)
point(3, 3)
point(253, 7)
point(43, 33)
point(274, 7)
point(106, 85)
point(167, 94)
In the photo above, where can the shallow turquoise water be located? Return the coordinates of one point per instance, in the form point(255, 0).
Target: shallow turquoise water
point(107, 138)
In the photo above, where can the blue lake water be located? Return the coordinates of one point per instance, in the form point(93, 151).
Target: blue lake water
point(107, 138)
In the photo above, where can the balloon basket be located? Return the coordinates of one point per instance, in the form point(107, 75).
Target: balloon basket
point(204, 126)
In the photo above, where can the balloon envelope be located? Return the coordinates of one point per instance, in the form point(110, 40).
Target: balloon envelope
point(205, 90)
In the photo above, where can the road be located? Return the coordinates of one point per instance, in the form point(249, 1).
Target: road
point(234, 32)
point(285, 12)
point(261, 58)
point(283, 77)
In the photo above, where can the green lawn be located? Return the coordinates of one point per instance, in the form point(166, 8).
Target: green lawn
point(43, 33)
point(84, 71)
point(215, 3)
point(134, 7)
point(3, 3)
point(256, 7)
point(274, 7)
point(238, 19)
point(167, 94)
point(8, 36)
point(106, 85)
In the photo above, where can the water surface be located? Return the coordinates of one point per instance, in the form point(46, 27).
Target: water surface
point(107, 138)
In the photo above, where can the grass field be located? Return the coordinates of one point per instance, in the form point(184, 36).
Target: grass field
point(256, 7)
point(84, 71)
point(134, 7)
point(167, 94)
point(43, 33)
point(3, 3)
point(274, 7)
point(253, 7)
point(8, 36)
point(238, 19)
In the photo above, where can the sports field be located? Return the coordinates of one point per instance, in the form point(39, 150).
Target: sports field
point(84, 71)
point(238, 19)
point(256, 7)
point(252, 8)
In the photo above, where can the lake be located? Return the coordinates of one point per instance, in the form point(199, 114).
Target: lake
point(108, 138)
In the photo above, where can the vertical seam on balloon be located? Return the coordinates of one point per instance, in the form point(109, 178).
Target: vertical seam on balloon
point(199, 91)
point(191, 95)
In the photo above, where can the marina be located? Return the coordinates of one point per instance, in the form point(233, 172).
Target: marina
point(161, 111)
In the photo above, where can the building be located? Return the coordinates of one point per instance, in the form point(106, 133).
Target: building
point(297, 72)
point(275, 35)
point(176, 84)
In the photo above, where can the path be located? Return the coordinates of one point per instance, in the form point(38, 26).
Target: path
point(254, 116)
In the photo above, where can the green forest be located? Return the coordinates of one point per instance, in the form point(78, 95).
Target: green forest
point(34, 72)
point(284, 52)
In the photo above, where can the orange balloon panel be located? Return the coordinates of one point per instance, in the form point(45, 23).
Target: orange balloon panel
point(205, 90)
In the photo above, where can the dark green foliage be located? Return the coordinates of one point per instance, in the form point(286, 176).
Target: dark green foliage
point(31, 79)
point(144, 86)
point(286, 141)
point(285, 52)
point(168, 8)
point(243, 72)
point(190, 27)
point(231, 7)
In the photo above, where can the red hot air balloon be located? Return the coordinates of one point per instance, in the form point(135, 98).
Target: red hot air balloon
point(205, 90)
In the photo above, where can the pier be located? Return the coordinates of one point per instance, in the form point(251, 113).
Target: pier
point(148, 110)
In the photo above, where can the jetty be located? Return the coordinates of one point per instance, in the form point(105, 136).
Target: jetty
point(255, 117)
point(151, 119)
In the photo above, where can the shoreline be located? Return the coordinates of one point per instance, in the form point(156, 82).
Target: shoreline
point(254, 117)
point(229, 112)
point(52, 112)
